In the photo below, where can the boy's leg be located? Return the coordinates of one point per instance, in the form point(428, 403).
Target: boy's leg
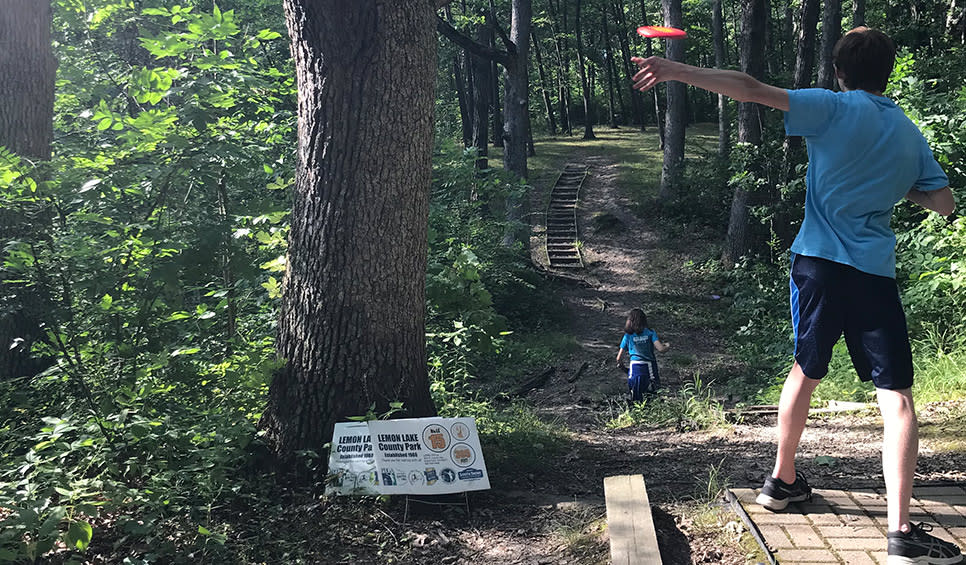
point(792, 415)
point(900, 447)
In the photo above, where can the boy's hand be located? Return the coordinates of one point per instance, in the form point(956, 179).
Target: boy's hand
point(651, 71)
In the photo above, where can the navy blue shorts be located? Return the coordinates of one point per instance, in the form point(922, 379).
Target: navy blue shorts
point(829, 299)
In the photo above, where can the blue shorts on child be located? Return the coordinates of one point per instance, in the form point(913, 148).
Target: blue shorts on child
point(640, 377)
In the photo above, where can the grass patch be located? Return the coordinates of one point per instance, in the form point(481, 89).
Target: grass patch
point(579, 530)
point(694, 407)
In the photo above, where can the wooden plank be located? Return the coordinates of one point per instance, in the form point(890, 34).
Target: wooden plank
point(633, 540)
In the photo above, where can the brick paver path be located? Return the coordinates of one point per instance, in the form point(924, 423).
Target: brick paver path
point(849, 527)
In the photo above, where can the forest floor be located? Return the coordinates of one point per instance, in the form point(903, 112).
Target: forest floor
point(547, 507)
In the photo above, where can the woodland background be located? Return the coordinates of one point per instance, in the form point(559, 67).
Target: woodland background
point(157, 362)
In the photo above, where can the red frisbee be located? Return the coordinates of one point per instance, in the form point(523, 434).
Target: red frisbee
point(661, 31)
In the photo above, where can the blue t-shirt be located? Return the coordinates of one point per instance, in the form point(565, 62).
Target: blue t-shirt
point(864, 155)
point(640, 346)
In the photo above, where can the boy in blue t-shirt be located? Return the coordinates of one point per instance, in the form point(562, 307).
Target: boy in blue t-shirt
point(865, 156)
point(639, 342)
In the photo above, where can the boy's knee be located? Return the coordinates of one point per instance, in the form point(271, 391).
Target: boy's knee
point(896, 403)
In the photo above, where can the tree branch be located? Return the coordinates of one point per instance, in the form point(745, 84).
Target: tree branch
point(511, 48)
point(484, 51)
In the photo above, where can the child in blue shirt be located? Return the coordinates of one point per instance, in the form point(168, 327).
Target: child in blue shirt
point(640, 342)
point(865, 156)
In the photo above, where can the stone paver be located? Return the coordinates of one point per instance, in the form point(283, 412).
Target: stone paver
point(848, 528)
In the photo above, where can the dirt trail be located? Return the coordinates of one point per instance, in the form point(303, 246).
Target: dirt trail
point(629, 264)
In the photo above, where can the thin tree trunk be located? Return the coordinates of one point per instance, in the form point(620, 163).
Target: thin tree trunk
point(547, 102)
point(563, 72)
point(724, 121)
point(585, 88)
point(649, 52)
point(637, 99)
point(831, 32)
point(858, 13)
point(351, 328)
point(462, 93)
point(482, 90)
point(608, 65)
point(676, 121)
point(749, 125)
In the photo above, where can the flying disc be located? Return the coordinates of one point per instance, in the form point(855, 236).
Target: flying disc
point(661, 31)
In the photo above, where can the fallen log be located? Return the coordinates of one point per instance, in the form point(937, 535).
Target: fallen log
point(534, 382)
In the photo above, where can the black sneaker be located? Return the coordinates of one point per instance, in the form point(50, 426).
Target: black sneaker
point(916, 547)
point(776, 493)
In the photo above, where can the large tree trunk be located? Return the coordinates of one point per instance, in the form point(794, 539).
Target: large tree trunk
point(676, 121)
point(352, 327)
point(547, 102)
point(516, 120)
point(27, 68)
point(749, 124)
point(584, 87)
point(831, 32)
point(724, 121)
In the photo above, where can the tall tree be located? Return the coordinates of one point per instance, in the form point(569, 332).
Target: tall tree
point(724, 121)
point(26, 128)
point(676, 120)
point(547, 101)
point(351, 328)
point(637, 99)
point(584, 86)
point(648, 52)
point(831, 32)
point(515, 61)
point(608, 68)
point(749, 124)
point(858, 13)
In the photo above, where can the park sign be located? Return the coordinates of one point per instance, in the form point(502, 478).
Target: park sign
point(407, 456)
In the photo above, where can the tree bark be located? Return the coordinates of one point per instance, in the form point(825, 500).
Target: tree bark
point(563, 72)
point(858, 13)
point(831, 32)
point(724, 121)
point(676, 120)
point(749, 125)
point(352, 327)
point(584, 87)
point(637, 99)
point(463, 95)
point(547, 101)
point(609, 65)
point(27, 66)
point(648, 52)
point(516, 120)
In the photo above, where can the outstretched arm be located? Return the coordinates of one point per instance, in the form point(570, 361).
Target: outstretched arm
point(936, 200)
point(733, 84)
point(661, 346)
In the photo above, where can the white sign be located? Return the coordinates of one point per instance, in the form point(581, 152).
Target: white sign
point(409, 456)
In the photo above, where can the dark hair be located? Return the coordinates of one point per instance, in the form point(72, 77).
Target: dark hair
point(636, 321)
point(865, 57)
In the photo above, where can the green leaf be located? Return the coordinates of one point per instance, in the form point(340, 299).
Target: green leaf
point(79, 535)
point(106, 302)
point(185, 351)
point(267, 34)
point(204, 531)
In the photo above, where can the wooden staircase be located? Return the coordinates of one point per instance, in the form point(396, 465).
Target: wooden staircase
point(562, 249)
